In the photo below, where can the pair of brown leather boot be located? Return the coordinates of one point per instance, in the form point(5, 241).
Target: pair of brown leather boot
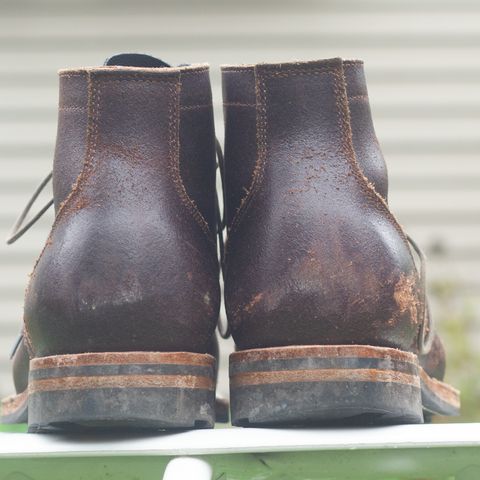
point(323, 296)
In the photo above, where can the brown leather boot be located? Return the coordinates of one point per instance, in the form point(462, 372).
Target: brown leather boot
point(123, 302)
point(322, 292)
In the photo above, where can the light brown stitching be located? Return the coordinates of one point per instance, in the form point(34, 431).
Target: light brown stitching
point(87, 165)
point(343, 115)
point(347, 146)
point(238, 104)
point(28, 340)
point(358, 97)
point(93, 108)
point(372, 196)
point(298, 71)
point(194, 107)
point(352, 63)
point(72, 75)
point(258, 171)
point(193, 72)
point(71, 107)
point(174, 128)
point(122, 69)
point(91, 130)
point(364, 182)
point(135, 77)
point(257, 176)
point(174, 121)
point(237, 70)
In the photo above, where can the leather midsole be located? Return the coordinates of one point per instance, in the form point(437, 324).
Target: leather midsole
point(334, 363)
point(122, 370)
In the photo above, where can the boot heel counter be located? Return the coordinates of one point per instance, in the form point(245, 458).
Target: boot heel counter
point(320, 298)
point(146, 303)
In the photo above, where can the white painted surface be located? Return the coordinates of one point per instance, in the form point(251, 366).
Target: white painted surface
point(240, 440)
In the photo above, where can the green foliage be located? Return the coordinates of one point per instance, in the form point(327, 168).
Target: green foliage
point(459, 328)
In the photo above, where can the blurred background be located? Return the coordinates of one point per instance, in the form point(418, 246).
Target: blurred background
point(422, 60)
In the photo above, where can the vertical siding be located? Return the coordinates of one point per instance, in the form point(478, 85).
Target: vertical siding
point(423, 71)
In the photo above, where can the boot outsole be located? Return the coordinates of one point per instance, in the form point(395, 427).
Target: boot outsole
point(131, 390)
point(344, 384)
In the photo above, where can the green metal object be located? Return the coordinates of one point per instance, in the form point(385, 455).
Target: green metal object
point(18, 428)
point(111, 458)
